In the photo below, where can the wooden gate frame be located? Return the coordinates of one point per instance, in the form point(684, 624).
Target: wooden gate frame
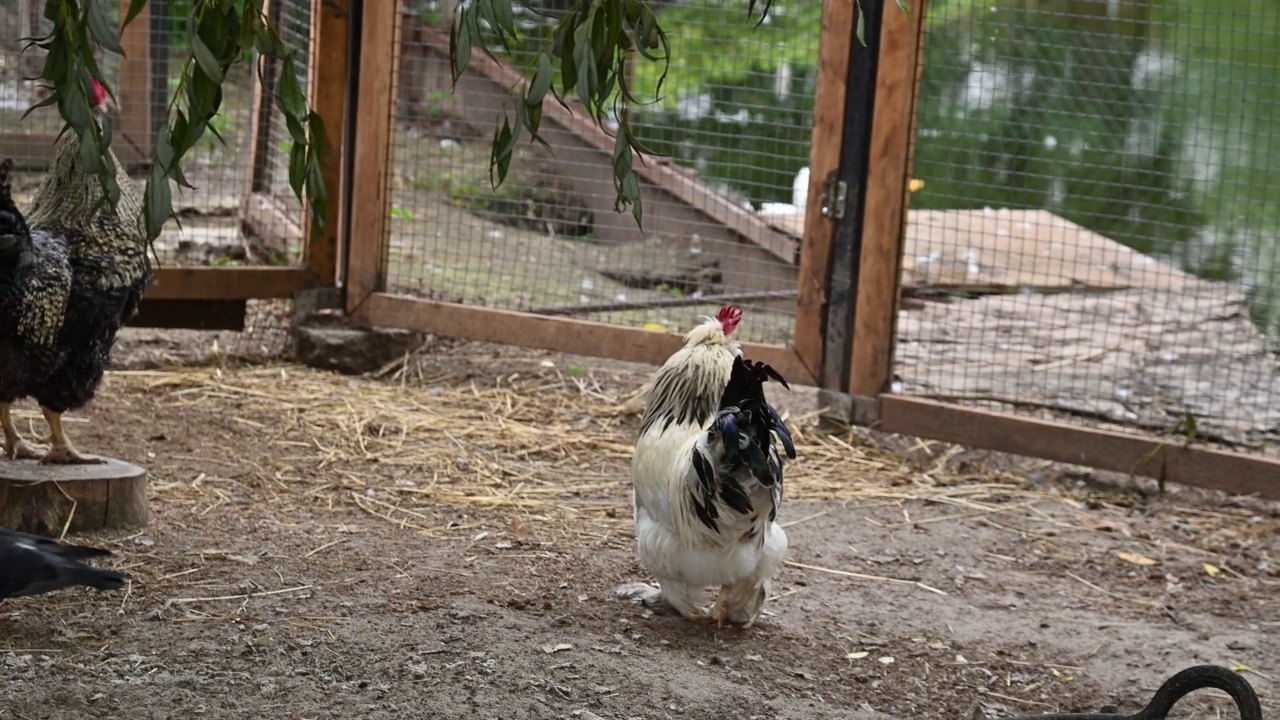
point(214, 297)
point(369, 303)
point(858, 375)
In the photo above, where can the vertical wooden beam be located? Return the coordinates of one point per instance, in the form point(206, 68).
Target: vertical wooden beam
point(371, 172)
point(884, 221)
point(846, 245)
point(260, 168)
point(327, 86)
point(134, 86)
point(838, 18)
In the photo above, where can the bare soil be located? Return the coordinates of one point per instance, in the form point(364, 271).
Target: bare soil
point(276, 581)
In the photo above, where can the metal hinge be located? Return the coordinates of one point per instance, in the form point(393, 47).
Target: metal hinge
point(835, 194)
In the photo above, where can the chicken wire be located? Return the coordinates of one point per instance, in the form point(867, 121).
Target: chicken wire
point(211, 228)
point(734, 114)
point(1098, 231)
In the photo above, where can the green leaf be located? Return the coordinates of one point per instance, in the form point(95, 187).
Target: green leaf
point(135, 8)
point(504, 18)
point(206, 59)
point(541, 83)
point(157, 201)
point(107, 35)
point(861, 30)
point(460, 45)
point(289, 92)
point(503, 149)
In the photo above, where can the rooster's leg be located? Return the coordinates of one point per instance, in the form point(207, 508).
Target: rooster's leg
point(14, 446)
point(62, 452)
point(740, 603)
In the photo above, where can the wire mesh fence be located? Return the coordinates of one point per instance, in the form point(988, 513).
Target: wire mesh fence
point(1098, 233)
point(242, 211)
point(730, 132)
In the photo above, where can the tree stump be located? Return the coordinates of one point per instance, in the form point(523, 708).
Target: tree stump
point(43, 499)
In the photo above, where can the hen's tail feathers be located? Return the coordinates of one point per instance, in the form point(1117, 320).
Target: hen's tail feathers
point(746, 424)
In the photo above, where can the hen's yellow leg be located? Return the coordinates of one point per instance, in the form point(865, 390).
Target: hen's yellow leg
point(62, 451)
point(15, 448)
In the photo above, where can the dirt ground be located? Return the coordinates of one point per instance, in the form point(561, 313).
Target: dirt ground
point(441, 542)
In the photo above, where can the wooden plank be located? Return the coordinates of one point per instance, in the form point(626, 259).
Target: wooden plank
point(327, 86)
point(133, 88)
point(1006, 250)
point(818, 239)
point(580, 337)
point(661, 173)
point(370, 189)
point(885, 200)
point(190, 314)
point(229, 283)
point(35, 151)
point(989, 250)
point(1103, 449)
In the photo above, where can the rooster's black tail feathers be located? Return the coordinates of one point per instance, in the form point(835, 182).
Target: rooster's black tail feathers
point(744, 411)
point(745, 424)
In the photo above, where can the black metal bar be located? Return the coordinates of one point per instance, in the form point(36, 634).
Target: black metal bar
point(855, 155)
point(355, 29)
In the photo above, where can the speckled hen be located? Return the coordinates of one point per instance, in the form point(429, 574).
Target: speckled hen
point(72, 273)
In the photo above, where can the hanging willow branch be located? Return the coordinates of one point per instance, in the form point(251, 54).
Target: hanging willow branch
point(221, 33)
point(586, 56)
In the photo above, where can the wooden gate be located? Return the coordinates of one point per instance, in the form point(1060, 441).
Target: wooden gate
point(848, 283)
point(370, 300)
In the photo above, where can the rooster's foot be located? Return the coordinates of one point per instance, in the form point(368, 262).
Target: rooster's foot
point(21, 450)
point(648, 597)
point(642, 594)
point(723, 614)
point(64, 455)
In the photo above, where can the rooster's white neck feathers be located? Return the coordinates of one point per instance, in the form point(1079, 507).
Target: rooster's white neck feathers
point(688, 386)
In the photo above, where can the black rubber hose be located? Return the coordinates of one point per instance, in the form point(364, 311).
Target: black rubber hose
point(1176, 688)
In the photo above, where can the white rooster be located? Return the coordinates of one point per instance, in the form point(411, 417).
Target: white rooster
point(708, 480)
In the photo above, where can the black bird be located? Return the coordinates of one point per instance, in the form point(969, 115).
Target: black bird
point(31, 565)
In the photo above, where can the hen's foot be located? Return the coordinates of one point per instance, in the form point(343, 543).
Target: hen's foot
point(20, 449)
point(66, 455)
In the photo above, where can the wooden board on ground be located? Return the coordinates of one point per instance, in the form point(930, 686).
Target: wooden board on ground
point(996, 251)
point(45, 499)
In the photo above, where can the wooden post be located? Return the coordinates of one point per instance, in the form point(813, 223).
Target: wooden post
point(268, 70)
point(327, 86)
point(370, 186)
point(824, 162)
point(884, 223)
point(846, 247)
point(134, 86)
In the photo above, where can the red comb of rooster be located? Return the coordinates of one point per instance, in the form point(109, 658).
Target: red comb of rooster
point(99, 92)
point(729, 317)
